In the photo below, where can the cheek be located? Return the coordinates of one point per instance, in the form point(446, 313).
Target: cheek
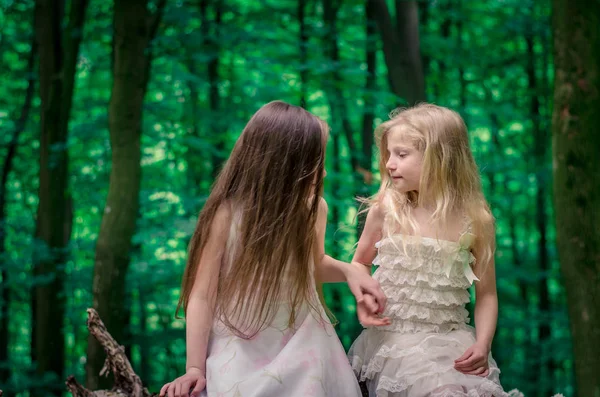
point(415, 168)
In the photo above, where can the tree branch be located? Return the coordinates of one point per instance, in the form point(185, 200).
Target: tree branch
point(127, 383)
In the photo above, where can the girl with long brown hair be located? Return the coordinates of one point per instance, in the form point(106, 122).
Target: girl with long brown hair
point(255, 323)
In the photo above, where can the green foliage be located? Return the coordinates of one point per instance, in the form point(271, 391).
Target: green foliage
point(475, 58)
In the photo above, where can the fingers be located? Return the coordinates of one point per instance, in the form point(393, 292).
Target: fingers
point(478, 371)
point(373, 304)
point(200, 385)
point(357, 292)
point(375, 321)
point(163, 390)
point(381, 299)
point(368, 318)
point(185, 388)
point(464, 357)
point(472, 367)
point(375, 290)
point(482, 371)
point(182, 386)
point(381, 322)
point(370, 304)
point(472, 362)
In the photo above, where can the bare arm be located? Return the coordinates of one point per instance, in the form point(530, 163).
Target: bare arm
point(366, 251)
point(363, 259)
point(330, 270)
point(475, 360)
point(201, 306)
point(486, 303)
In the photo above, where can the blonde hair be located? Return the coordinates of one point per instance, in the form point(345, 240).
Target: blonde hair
point(450, 181)
point(272, 180)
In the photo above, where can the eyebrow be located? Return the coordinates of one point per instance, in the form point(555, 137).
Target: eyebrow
point(401, 147)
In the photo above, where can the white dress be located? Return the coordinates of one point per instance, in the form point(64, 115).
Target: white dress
point(426, 281)
point(308, 360)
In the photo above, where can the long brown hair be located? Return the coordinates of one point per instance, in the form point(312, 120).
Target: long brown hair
point(271, 182)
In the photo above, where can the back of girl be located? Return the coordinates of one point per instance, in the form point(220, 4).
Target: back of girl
point(431, 233)
point(254, 322)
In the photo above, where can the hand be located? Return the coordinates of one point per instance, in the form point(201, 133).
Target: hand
point(361, 283)
point(474, 361)
point(181, 386)
point(367, 313)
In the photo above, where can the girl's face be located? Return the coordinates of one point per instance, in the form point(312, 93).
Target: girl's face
point(404, 163)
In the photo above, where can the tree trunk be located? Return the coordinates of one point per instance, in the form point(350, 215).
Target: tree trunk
point(576, 144)
point(368, 139)
point(58, 52)
point(540, 139)
point(329, 12)
point(6, 169)
point(367, 136)
point(134, 29)
point(461, 52)
point(195, 162)
point(401, 48)
point(196, 168)
point(303, 38)
point(212, 36)
point(424, 16)
point(334, 92)
point(145, 366)
point(360, 157)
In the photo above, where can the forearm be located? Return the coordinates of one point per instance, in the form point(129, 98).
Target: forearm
point(486, 317)
point(199, 319)
point(363, 267)
point(332, 270)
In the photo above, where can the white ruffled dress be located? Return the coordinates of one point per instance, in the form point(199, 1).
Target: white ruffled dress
point(426, 281)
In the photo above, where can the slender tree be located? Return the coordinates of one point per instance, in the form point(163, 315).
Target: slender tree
point(135, 27)
point(7, 168)
point(58, 48)
point(401, 48)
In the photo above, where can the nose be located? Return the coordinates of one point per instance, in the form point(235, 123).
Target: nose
point(390, 165)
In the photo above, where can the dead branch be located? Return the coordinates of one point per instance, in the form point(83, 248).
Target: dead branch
point(127, 383)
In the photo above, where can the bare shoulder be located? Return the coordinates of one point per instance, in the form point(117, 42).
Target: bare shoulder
point(323, 207)
point(223, 212)
point(222, 219)
point(376, 214)
point(373, 224)
point(488, 227)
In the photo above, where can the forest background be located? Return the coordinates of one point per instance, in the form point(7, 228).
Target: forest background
point(115, 117)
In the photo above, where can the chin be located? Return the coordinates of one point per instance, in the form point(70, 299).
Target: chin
point(401, 187)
